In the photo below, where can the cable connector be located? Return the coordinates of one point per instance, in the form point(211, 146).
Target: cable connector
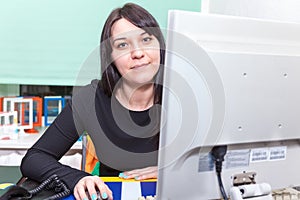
point(218, 153)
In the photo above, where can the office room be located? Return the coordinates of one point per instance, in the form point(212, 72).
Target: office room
point(133, 100)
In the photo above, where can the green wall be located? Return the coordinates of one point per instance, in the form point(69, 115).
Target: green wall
point(55, 42)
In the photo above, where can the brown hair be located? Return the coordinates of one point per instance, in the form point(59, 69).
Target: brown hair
point(141, 18)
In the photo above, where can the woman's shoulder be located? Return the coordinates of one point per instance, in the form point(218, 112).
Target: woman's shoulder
point(94, 88)
point(97, 87)
point(84, 97)
point(95, 83)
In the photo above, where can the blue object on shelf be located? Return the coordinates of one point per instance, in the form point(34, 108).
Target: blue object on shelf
point(53, 112)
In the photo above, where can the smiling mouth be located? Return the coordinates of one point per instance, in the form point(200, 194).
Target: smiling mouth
point(139, 66)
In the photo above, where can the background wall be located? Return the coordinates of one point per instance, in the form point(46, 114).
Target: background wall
point(284, 10)
point(55, 42)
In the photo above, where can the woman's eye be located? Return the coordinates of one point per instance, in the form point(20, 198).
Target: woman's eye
point(122, 45)
point(147, 39)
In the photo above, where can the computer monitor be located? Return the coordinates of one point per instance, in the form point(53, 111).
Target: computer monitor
point(231, 81)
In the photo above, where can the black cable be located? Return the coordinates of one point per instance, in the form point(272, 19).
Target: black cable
point(218, 153)
point(222, 190)
point(42, 185)
point(59, 187)
point(52, 182)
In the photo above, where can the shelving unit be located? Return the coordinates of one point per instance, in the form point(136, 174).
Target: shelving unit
point(18, 147)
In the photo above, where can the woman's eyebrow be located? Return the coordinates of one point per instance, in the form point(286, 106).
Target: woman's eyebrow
point(121, 38)
point(124, 38)
point(143, 33)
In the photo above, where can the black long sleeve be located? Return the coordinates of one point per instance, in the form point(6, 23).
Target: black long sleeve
point(41, 160)
point(123, 139)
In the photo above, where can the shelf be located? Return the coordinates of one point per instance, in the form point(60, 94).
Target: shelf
point(25, 141)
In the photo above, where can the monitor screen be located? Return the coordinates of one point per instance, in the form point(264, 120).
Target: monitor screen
point(230, 81)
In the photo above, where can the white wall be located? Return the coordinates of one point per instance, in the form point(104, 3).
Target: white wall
point(285, 10)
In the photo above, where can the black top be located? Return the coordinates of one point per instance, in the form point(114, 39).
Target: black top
point(123, 139)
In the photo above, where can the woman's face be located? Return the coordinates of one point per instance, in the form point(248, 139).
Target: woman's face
point(135, 53)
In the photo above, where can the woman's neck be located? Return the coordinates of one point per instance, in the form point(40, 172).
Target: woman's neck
point(137, 98)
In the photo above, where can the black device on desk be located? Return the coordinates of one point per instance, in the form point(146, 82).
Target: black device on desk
point(9, 175)
point(50, 189)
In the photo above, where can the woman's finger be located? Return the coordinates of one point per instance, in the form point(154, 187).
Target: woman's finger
point(88, 186)
point(105, 192)
point(144, 173)
point(79, 191)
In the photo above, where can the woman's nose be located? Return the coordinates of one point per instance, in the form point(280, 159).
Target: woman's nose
point(137, 52)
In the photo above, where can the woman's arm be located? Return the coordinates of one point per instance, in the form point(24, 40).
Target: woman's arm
point(41, 160)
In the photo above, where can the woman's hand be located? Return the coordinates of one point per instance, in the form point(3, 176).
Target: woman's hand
point(91, 184)
point(140, 174)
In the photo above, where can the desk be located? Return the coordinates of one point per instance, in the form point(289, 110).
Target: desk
point(9, 174)
point(122, 189)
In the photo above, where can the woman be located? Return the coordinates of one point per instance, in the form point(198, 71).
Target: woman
point(119, 112)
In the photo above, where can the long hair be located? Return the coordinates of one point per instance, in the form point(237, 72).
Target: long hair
point(141, 18)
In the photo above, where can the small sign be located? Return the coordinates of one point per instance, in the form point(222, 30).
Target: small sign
point(237, 158)
point(278, 153)
point(259, 155)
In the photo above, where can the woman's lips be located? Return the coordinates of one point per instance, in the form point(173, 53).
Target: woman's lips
point(139, 66)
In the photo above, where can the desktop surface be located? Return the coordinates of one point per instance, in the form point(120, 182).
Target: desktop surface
point(122, 189)
point(10, 175)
